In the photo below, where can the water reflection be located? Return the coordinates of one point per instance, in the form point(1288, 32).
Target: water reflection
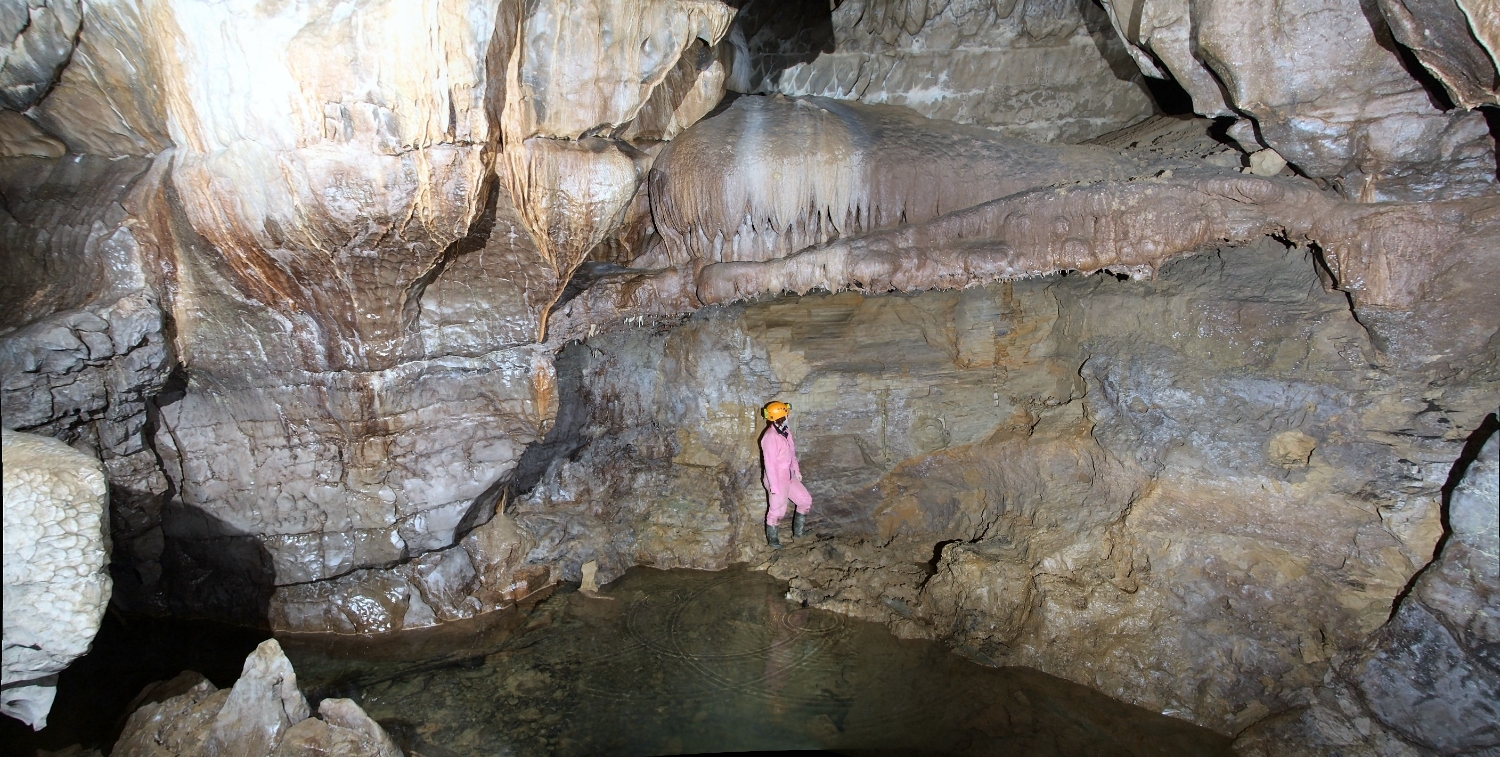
point(687, 661)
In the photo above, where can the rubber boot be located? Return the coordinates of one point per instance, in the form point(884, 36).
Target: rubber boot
point(771, 537)
point(799, 524)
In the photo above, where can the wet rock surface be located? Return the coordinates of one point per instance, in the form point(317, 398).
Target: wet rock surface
point(373, 305)
point(56, 567)
point(84, 347)
point(299, 278)
point(1432, 672)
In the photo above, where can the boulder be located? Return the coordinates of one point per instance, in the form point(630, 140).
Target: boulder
point(262, 715)
point(57, 582)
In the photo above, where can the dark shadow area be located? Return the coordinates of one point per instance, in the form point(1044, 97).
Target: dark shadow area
point(209, 570)
point(1171, 99)
point(567, 435)
point(1492, 116)
point(1220, 132)
point(131, 651)
point(586, 275)
point(175, 559)
point(774, 35)
point(937, 555)
point(135, 520)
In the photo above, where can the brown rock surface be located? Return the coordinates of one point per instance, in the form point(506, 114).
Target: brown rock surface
point(1079, 474)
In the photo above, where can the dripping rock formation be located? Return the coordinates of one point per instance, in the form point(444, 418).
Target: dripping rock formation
point(1146, 343)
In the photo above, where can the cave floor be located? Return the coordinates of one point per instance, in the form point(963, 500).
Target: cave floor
point(667, 662)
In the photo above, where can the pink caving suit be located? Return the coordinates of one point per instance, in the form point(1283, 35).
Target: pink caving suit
point(782, 474)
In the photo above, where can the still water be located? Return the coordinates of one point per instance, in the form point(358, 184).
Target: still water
point(670, 662)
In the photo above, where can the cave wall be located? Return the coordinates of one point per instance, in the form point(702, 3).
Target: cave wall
point(1358, 95)
point(345, 238)
point(1198, 493)
point(1042, 70)
point(1174, 423)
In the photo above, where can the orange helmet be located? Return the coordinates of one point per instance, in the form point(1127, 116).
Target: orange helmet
point(775, 411)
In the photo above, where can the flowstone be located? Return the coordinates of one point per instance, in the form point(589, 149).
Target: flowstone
point(57, 582)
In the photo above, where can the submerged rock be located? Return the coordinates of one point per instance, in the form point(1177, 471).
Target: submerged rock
point(57, 582)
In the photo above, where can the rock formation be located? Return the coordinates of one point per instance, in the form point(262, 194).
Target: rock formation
point(1323, 84)
point(1114, 481)
point(1427, 675)
point(1043, 70)
point(56, 567)
point(1170, 414)
point(402, 189)
point(263, 715)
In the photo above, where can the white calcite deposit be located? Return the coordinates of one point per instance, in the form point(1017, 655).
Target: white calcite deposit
point(56, 556)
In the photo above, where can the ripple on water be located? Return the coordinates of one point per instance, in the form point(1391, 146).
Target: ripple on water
point(690, 661)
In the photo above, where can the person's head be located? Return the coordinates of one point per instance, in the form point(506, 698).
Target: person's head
point(776, 412)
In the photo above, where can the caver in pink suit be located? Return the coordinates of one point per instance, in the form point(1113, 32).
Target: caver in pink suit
point(783, 478)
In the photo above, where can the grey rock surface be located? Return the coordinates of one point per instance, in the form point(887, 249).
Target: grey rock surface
point(1322, 83)
point(262, 715)
point(57, 580)
point(36, 41)
point(1432, 673)
point(83, 342)
point(1042, 70)
point(358, 340)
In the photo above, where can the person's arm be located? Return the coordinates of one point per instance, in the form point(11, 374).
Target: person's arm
point(792, 451)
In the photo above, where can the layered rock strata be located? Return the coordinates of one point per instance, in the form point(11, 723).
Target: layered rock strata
point(1043, 70)
point(56, 567)
point(84, 347)
point(354, 240)
point(1197, 492)
point(263, 715)
point(355, 253)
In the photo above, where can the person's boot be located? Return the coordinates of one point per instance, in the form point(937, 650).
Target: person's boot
point(771, 537)
point(799, 524)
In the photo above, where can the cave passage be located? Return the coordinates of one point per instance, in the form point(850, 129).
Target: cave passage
point(683, 662)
